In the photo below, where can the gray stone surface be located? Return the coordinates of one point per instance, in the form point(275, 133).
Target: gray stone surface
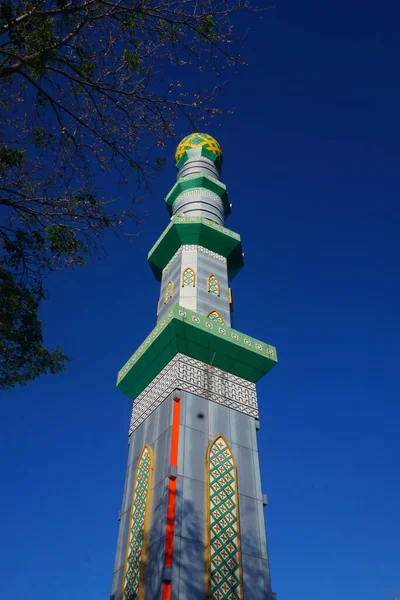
point(262, 531)
point(193, 510)
point(175, 568)
point(172, 472)
point(196, 412)
point(154, 569)
point(164, 416)
point(253, 578)
point(249, 523)
point(267, 579)
point(191, 580)
point(167, 573)
point(122, 541)
point(195, 450)
point(182, 415)
point(254, 433)
point(219, 421)
point(181, 450)
point(178, 506)
point(128, 489)
point(245, 468)
point(161, 448)
point(257, 476)
point(117, 585)
point(242, 429)
point(158, 511)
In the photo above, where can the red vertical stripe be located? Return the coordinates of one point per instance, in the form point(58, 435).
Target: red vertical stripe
point(175, 433)
point(171, 503)
point(167, 589)
point(169, 536)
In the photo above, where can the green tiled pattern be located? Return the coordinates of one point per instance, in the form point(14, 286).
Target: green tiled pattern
point(194, 335)
point(201, 232)
point(136, 533)
point(224, 565)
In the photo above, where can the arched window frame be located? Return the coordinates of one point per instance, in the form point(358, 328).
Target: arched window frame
point(140, 573)
point(218, 317)
point(187, 270)
point(169, 290)
point(210, 592)
point(217, 292)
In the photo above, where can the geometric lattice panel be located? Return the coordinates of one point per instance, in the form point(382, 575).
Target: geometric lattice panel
point(193, 376)
point(224, 564)
point(213, 285)
point(215, 316)
point(137, 538)
point(188, 278)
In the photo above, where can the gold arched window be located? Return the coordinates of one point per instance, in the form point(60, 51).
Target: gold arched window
point(135, 560)
point(224, 569)
point(188, 278)
point(169, 290)
point(213, 284)
point(214, 315)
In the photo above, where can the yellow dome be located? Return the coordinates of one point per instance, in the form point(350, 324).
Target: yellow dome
point(198, 144)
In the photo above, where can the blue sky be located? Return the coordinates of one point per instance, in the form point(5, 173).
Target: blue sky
point(312, 166)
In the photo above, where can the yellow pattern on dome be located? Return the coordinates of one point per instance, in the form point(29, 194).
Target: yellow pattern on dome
point(198, 140)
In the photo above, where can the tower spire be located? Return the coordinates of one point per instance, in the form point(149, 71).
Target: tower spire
point(192, 522)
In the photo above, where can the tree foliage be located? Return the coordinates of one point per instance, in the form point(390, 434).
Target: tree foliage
point(88, 86)
point(23, 357)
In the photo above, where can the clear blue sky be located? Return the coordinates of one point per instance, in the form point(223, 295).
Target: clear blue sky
point(312, 165)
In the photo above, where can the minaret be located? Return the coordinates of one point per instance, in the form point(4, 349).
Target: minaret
point(192, 517)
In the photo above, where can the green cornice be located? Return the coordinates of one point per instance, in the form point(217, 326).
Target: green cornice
point(197, 181)
point(195, 336)
point(200, 232)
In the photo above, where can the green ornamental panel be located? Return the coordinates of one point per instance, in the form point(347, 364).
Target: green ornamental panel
point(201, 232)
point(194, 335)
point(223, 552)
point(136, 547)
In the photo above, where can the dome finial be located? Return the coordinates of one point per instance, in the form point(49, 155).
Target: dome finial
point(198, 144)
